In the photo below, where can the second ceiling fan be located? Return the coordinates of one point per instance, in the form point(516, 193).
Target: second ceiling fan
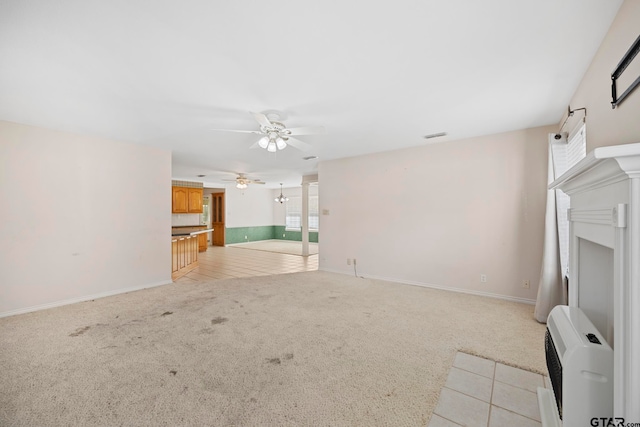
point(276, 136)
point(243, 182)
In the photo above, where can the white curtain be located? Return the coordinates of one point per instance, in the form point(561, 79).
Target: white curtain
point(551, 288)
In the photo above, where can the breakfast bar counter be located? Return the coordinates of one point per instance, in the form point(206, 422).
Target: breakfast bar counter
point(186, 242)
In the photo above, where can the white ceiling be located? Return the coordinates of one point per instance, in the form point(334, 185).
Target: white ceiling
point(378, 75)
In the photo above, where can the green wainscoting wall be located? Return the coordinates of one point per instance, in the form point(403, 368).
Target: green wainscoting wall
point(293, 235)
point(248, 234)
point(264, 232)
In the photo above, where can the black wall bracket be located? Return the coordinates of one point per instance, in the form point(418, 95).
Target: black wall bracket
point(624, 63)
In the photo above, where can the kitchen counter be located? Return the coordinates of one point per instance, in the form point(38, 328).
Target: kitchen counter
point(190, 233)
point(184, 255)
point(186, 230)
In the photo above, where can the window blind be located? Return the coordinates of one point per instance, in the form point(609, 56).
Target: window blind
point(294, 213)
point(565, 156)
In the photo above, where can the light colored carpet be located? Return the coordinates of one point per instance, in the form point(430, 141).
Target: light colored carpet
point(311, 348)
point(279, 246)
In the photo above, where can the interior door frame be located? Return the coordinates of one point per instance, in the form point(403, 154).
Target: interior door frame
point(218, 213)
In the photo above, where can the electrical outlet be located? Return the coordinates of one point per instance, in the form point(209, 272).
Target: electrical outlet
point(245, 237)
point(483, 278)
point(348, 261)
point(354, 261)
point(526, 284)
point(283, 235)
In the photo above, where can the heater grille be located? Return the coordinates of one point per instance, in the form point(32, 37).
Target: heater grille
point(555, 369)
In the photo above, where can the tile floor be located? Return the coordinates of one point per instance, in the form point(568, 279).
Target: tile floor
point(225, 262)
point(480, 392)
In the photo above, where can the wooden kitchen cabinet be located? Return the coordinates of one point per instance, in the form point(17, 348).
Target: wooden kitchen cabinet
point(179, 200)
point(202, 242)
point(186, 200)
point(195, 200)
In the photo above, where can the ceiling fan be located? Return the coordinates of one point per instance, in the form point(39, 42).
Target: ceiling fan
point(243, 182)
point(276, 136)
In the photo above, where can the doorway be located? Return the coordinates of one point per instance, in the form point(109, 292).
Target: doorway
point(217, 219)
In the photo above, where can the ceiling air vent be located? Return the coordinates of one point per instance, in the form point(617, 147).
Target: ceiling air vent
point(435, 135)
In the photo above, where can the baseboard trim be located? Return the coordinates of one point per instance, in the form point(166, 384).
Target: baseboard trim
point(81, 299)
point(440, 287)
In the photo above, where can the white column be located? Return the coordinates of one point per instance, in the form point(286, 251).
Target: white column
point(305, 218)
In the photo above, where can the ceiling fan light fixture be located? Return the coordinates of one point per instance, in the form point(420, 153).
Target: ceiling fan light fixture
point(241, 185)
point(264, 142)
point(272, 148)
point(280, 144)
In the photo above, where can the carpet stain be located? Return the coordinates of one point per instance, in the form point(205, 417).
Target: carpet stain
point(333, 297)
point(253, 400)
point(173, 373)
point(207, 331)
point(288, 356)
point(166, 313)
point(218, 320)
point(274, 361)
point(80, 331)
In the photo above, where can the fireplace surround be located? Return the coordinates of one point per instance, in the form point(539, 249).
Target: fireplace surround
point(604, 264)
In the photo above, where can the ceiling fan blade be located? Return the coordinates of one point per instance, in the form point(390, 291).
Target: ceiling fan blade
point(257, 182)
point(262, 119)
point(238, 131)
point(303, 146)
point(309, 130)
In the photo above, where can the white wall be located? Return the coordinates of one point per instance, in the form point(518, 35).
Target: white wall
point(441, 214)
point(250, 207)
point(80, 217)
point(607, 126)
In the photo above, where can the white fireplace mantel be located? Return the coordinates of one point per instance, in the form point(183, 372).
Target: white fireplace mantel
point(605, 225)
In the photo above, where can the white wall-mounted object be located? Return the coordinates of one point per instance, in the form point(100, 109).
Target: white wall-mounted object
point(580, 369)
point(605, 258)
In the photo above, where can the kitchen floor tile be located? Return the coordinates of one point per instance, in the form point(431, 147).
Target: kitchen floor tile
point(223, 262)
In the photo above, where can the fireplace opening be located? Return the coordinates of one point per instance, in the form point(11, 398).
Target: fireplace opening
point(595, 294)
